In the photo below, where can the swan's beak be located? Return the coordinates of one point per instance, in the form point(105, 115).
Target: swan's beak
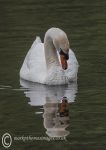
point(63, 62)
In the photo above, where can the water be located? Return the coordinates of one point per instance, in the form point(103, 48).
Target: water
point(85, 24)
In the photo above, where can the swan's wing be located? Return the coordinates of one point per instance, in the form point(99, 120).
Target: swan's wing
point(34, 65)
point(37, 40)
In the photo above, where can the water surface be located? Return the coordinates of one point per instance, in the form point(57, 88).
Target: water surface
point(84, 21)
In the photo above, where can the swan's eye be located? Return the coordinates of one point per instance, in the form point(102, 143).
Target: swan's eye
point(64, 54)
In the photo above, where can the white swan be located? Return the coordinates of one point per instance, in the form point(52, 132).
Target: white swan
point(48, 62)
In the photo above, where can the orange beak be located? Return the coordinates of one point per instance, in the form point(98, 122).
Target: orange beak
point(63, 62)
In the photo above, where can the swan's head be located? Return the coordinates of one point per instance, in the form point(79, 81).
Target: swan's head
point(63, 58)
point(61, 43)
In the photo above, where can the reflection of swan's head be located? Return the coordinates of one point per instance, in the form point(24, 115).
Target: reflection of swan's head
point(56, 118)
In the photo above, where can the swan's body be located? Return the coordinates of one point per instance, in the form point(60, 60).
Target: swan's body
point(42, 62)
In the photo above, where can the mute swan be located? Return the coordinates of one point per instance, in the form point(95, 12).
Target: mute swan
point(51, 62)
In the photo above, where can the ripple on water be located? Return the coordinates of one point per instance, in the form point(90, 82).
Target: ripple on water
point(2, 87)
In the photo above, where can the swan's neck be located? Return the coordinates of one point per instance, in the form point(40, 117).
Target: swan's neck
point(50, 52)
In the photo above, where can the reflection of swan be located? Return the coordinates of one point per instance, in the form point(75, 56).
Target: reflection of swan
point(55, 120)
point(40, 94)
point(42, 64)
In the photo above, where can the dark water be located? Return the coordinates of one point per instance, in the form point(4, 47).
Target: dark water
point(84, 21)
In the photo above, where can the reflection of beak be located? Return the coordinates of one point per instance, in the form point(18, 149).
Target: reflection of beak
point(63, 62)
